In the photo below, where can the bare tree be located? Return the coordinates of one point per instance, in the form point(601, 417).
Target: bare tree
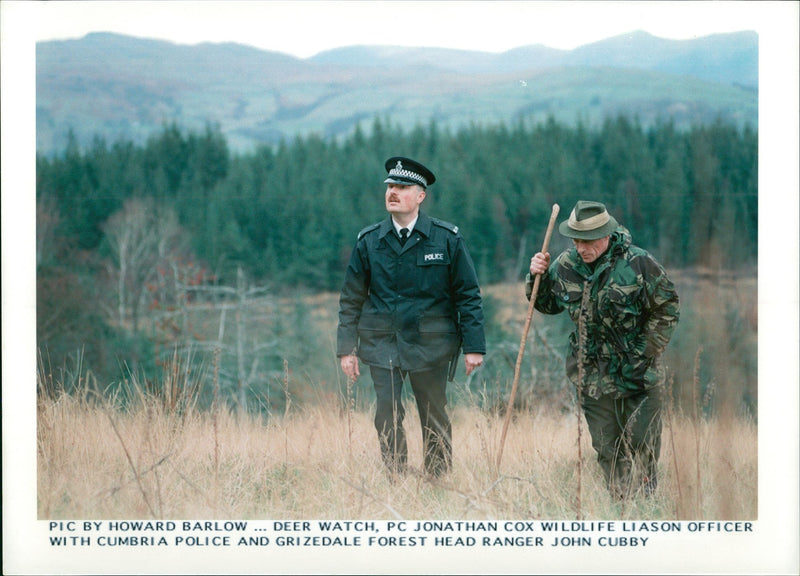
point(140, 237)
point(150, 258)
point(246, 347)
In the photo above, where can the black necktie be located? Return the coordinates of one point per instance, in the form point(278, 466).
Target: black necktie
point(403, 235)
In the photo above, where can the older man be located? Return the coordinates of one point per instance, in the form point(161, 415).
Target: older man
point(409, 303)
point(625, 309)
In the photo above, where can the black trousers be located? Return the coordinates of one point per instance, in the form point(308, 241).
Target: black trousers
point(624, 431)
point(429, 389)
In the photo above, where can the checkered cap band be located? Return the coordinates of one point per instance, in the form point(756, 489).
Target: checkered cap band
point(401, 172)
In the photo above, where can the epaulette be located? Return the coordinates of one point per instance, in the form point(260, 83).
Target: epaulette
point(446, 225)
point(369, 228)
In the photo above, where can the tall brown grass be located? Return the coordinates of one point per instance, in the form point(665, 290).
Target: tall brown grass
point(158, 453)
point(97, 459)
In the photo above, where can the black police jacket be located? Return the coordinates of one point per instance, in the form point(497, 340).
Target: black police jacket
point(414, 306)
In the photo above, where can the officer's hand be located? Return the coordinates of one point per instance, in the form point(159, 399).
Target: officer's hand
point(539, 263)
point(472, 361)
point(349, 365)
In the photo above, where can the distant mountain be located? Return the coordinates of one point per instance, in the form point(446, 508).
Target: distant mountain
point(728, 58)
point(116, 86)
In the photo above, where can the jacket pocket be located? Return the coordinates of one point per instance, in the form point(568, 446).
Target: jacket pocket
point(642, 374)
point(624, 299)
point(433, 256)
point(567, 296)
point(438, 340)
point(374, 324)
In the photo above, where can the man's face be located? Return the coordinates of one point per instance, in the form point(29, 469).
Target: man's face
point(591, 250)
point(403, 199)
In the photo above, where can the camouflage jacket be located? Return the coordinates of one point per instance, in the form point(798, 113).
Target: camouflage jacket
point(632, 311)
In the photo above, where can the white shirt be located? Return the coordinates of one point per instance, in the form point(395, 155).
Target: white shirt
point(410, 226)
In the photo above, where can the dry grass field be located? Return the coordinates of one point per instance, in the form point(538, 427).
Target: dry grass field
point(159, 454)
point(98, 461)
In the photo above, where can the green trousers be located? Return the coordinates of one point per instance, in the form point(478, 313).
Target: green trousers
point(626, 434)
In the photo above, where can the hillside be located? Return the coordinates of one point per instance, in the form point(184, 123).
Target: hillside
point(725, 58)
point(123, 87)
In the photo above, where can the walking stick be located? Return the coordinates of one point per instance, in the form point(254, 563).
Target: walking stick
point(528, 319)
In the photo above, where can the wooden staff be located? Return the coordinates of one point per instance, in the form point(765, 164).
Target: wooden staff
point(534, 291)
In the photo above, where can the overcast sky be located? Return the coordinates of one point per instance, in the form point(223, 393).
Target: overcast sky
point(304, 28)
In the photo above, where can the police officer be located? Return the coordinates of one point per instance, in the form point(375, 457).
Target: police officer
point(625, 309)
point(410, 302)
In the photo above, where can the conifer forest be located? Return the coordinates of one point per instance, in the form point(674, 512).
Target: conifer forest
point(179, 248)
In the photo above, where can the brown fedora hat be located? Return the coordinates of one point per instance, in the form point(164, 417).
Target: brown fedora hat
point(588, 221)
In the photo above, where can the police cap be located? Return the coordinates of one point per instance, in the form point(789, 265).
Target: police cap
point(407, 171)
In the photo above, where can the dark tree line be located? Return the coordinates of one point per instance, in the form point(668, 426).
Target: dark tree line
point(289, 215)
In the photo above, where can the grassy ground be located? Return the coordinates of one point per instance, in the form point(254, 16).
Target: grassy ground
point(96, 461)
point(307, 456)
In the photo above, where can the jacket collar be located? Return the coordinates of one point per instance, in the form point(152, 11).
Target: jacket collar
point(619, 242)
